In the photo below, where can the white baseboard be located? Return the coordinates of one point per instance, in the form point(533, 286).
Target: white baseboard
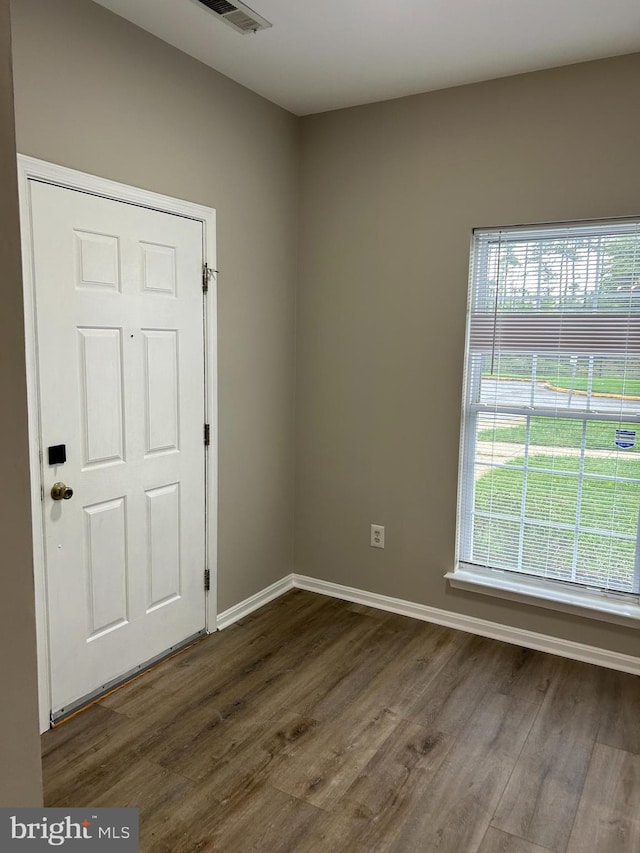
point(457, 621)
point(472, 625)
point(254, 602)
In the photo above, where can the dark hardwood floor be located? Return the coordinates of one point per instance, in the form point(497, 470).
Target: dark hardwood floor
point(316, 725)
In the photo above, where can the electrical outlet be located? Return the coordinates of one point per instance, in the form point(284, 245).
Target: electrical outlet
point(377, 536)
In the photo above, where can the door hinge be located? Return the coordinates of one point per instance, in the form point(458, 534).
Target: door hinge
point(207, 435)
point(206, 275)
point(207, 580)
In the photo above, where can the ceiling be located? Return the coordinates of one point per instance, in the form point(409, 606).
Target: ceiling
point(325, 55)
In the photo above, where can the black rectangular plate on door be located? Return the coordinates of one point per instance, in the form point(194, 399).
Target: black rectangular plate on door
point(57, 454)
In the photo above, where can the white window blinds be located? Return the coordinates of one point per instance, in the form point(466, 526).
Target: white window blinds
point(550, 475)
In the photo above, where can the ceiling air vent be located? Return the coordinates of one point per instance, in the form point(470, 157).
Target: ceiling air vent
point(237, 15)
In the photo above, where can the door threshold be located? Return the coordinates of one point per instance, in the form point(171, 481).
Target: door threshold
point(69, 711)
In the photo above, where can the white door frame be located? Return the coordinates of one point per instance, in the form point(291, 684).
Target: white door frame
point(30, 169)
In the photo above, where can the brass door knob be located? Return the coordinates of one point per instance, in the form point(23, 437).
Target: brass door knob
point(60, 492)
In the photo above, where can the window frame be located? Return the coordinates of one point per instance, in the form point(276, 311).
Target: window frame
point(566, 596)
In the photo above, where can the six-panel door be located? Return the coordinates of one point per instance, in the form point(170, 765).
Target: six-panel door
point(121, 383)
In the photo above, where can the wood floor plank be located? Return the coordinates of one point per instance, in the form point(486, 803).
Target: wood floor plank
point(454, 811)
point(221, 656)
point(376, 805)
point(368, 611)
point(335, 673)
point(405, 676)
point(314, 725)
point(496, 841)
point(608, 817)
point(252, 758)
point(542, 796)
point(322, 769)
point(192, 723)
point(237, 774)
point(365, 662)
point(83, 779)
point(448, 701)
point(271, 821)
point(530, 676)
point(77, 734)
point(620, 726)
point(254, 696)
point(199, 717)
point(143, 785)
point(268, 821)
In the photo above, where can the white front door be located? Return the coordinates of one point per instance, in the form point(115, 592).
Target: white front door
point(119, 312)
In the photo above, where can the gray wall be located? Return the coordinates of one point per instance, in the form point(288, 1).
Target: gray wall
point(19, 743)
point(390, 193)
point(100, 95)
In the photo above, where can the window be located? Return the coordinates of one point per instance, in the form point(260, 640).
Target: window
point(550, 470)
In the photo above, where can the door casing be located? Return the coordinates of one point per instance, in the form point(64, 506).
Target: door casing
point(31, 169)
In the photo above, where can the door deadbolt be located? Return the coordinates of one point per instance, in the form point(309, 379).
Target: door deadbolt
point(60, 492)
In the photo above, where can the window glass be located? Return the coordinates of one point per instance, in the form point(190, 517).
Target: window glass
point(550, 474)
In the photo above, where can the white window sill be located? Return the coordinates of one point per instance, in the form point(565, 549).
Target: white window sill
point(596, 604)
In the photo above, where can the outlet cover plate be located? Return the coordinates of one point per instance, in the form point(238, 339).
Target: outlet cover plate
point(377, 536)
